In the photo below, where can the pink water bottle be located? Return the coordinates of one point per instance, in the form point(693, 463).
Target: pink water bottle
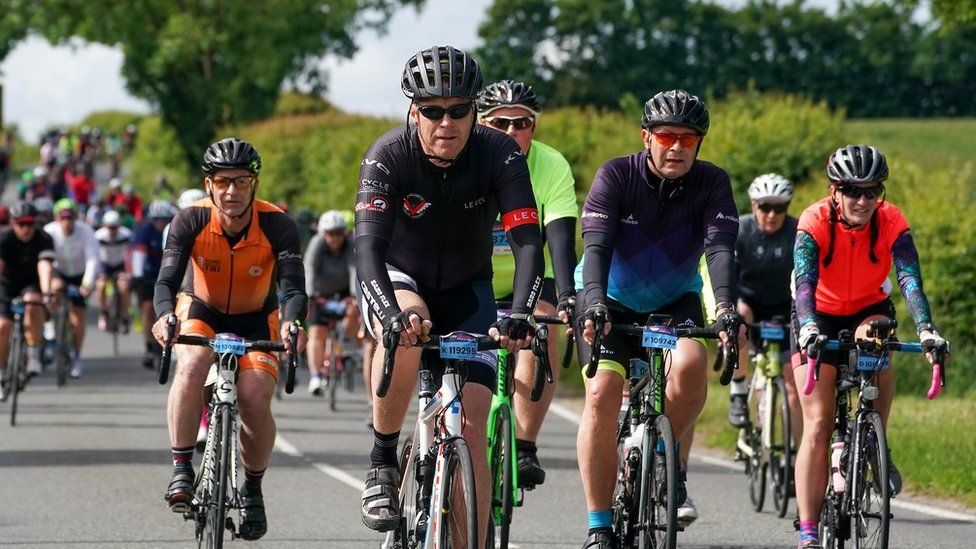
point(840, 483)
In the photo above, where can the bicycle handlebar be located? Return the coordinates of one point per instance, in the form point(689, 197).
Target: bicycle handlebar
point(570, 338)
point(635, 330)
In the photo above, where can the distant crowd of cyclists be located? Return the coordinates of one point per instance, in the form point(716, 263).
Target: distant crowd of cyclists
point(453, 213)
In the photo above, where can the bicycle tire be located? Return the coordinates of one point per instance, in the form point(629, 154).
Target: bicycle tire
point(115, 318)
point(781, 453)
point(832, 534)
point(459, 489)
point(657, 514)
point(502, 474)
point(16, 370)
point(333, 381)
point(757, 467)
point(870, 505)
point(62, 335)
point(405, 535)
point(216, 513)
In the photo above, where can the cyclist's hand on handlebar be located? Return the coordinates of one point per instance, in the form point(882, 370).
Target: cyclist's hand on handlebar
point(564, 310)
point(931, 340)
point(85, 290)
point(160, 329)
point(588, 321)
point(285, 333)
point(512, 332)
point(730, 324)
point(808, 334)
point(412, 327)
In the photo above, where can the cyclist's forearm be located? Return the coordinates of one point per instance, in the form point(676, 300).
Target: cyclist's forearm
point(806, 272)
point(171, 272)
point(909, 272)
point(561, 238)
point(371, 252)
point(526, 242)
point(45, 270)
point(720, 256)
point(597, 252)
point(291, 281)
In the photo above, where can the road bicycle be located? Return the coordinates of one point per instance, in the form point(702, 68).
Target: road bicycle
point(339, 359)
point(766, 446)
point(644, 505)
point(215, 491)
point(16, 373)
point(502, 455)
point(117, 309)
point(64, 333)
point(857, 504)
point(438, 502)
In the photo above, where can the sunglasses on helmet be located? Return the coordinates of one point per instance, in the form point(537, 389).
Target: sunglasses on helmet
point(436, 112)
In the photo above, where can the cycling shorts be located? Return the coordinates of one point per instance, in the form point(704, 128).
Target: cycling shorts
point(7, 295)
point(196, 318)
point(617, 349)
point(831, 325)
point(110, 271)
point(76, 300)
point(469, 308)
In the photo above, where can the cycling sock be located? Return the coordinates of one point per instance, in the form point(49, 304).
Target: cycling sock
point(33, 351)
point(600, 520)
point(525, 446)
point(738, 386)
point(809, 529)
point(384, 449)
point(254, 477)
point(183, 456)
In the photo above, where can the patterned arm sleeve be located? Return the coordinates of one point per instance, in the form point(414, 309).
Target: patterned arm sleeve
point(909, 273)
point(806, 272)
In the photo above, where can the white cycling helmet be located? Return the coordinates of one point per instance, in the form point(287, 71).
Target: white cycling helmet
point(190, 196)
point(161, 209)
point(40, 171)
point(771, 187)
point(114, 183)
point(111, 219)
point(332, 220)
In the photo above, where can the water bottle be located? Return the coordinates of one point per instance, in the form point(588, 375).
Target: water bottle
point(624, 405)
point(836, 467)
point(634, 438)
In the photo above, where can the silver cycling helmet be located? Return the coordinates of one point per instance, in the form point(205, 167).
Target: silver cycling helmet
point(771, 187)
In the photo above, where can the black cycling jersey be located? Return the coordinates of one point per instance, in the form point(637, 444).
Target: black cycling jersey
point(20, 258)
point(765, 262)
point(436, 224)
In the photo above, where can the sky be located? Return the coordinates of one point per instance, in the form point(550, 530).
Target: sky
point(45, 86)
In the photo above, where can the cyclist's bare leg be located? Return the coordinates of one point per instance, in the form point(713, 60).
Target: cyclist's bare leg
point(186, 395)
point(477, 401)
point(33, 320)
point(793, 399)
point(6, 327)
point(148, 318)
point(596, 440)
point(530, 415)
point(885, 379)
point(389, 411)
point(317, 335)
point(745, 311)
point(255, 388)
point(77, 318)
point(686, 388)
point(684, 448)
point(100, 283)
point(818, 426)
point(369, 349)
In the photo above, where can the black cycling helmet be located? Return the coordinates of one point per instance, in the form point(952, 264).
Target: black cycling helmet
point(231, 152)
point(442, 71)
point(857, 164)
point(677, 108)
point(508, 93)
point(23, 211)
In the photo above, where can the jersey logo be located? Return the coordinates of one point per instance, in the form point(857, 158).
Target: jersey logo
point(375, 204)
point(513, 156)
point(415, 205)
point(475, 203)
point(595, 214)
point(255, 271)
point(630, 220)
point(727, 217)
point(209, 265)
point(377, 163)
point(374, 185)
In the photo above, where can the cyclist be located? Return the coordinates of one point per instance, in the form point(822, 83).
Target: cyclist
point(853, 230)
point(513, 108)
point(329, 270)
point(75, 263)
point(243, 249)
point(429, 193)
point(26, 254)
point(764, 257)
point(147, 256)
point(647, 220)
point(113, 246)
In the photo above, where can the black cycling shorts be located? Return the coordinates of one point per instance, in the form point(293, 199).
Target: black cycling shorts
point(831, 325)
point(76, 300)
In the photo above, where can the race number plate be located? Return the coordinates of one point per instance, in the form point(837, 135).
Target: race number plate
point(869, 362)
point(459, 346)
point(772, 332)
point(499, 240)
point(229, 344)
point(659, 337)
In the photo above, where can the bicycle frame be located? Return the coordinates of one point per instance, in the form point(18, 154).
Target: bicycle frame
point(767, 366)
point(501, 399)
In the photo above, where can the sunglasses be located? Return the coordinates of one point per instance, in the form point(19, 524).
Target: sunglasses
point(436, 112)
point(668, 139)
point(242, 182)
point(503, 123)
point(856, 193)
point(778, 208)
point(29, 223)
point(337, 232)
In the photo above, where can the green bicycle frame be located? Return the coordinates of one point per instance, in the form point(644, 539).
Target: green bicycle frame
point(503, 399)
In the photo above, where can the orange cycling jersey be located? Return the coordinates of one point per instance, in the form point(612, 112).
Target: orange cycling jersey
point(237, 279)
point(852, 281)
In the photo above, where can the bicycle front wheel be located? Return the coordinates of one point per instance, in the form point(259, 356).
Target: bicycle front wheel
point(502, 463)
point(781, 448)
point(16, 371)
point(62, 330)
point(216, 511)
point(459, 512)
point(333, 380)
point(871, 498)
point(658, 512)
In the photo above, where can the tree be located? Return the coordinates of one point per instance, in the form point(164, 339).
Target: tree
point(206, 64)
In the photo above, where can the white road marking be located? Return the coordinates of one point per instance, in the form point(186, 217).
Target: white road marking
point(338, 474)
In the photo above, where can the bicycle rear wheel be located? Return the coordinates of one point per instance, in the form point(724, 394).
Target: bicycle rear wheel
point(216, 511)
point(115, 316)
point(459, 512)
point(62, 330)
point(833, 522)
point(871, 499)
point(502, 464)
point(658, 505)
point(16, 370)
point(781, 448)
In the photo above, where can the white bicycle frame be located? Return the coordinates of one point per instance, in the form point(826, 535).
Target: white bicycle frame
point(221, 379)
point(761, 382)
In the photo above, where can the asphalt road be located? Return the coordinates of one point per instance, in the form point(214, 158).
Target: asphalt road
point(87, 465)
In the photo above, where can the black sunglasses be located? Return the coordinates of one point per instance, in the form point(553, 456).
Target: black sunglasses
point(436, 112)
point(503, 123)
point(850, 191)
point(778, 208)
